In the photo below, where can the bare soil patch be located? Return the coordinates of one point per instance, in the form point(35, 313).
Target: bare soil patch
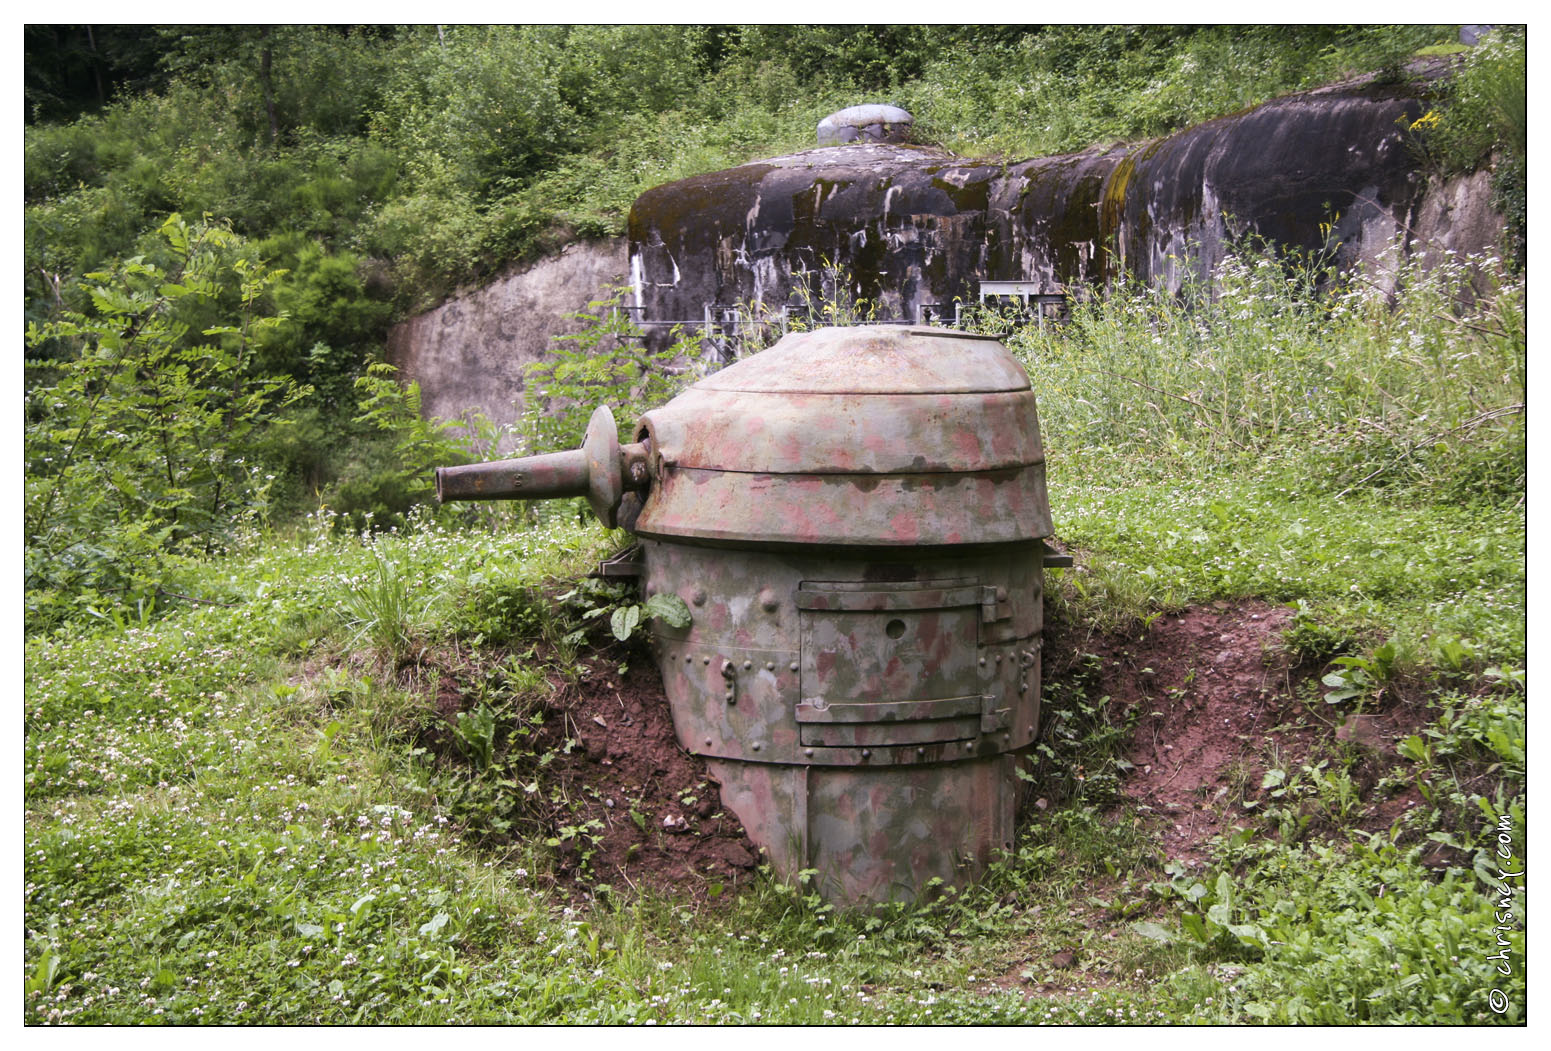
point(1213, 699)
point(643, 813)
point(630, 760)
point(1212, 695)
point(1217, 700)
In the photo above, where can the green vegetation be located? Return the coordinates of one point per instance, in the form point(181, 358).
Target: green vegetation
point(604, 363)
point(233, 814)
point(1484, 121)
point(141, 439)
point(368, 171)
point(423, 158)
point(244, 800)
point(1360, 455)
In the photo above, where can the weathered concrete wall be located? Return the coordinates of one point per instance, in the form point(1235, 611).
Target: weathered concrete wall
point(905, 220)
point(1458, 213)
point(469, 353)
point(916, 226)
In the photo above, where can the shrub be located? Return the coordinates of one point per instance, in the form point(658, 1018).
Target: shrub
point(606, 363)
point(141, 420)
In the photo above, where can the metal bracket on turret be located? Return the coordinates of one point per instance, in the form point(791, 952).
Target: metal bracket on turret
point(625, 565)
point(993, 605)
point(1054, 559)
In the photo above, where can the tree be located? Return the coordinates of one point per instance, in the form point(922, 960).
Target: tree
point(140, 423)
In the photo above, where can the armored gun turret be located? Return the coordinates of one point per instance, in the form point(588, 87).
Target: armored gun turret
point(855, 520)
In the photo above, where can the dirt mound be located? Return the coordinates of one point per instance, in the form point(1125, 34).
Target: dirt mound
point(617, 798)
point(660, 815)
point(1208, 689)
point(1214, 699)
point(1211, 696)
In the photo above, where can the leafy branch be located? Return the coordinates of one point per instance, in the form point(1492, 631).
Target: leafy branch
point(138, 442)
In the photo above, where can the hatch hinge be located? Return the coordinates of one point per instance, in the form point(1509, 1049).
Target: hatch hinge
point(992, 718)
point(993, 604)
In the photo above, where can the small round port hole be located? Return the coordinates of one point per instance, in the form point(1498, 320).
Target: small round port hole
point(894, 628)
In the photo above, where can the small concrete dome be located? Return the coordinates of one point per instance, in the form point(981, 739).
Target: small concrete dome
point(872, 123)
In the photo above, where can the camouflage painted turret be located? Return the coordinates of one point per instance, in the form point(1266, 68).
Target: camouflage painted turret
point(855, 520)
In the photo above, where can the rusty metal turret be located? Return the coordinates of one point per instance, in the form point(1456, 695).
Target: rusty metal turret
point(854, 519)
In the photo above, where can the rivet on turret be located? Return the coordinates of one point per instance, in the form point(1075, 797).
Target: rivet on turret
point(770, 665)
point(705, 660)
point(920, 751)
point(747, 665)
point(793, 666)
point(866, 753)
point(768, 601)
point(755, 746)
point(808, 752)
point(698, 598)
point(982, 662)
point(708, 742)
point(998, 658)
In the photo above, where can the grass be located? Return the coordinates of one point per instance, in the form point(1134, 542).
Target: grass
point(1361, 566)
point(231, 814)
point(1282, 434)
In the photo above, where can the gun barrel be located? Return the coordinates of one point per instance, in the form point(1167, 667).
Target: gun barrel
point(600, 470)
point(543, 477)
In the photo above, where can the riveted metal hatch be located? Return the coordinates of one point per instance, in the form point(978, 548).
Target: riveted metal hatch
point(886, 663)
